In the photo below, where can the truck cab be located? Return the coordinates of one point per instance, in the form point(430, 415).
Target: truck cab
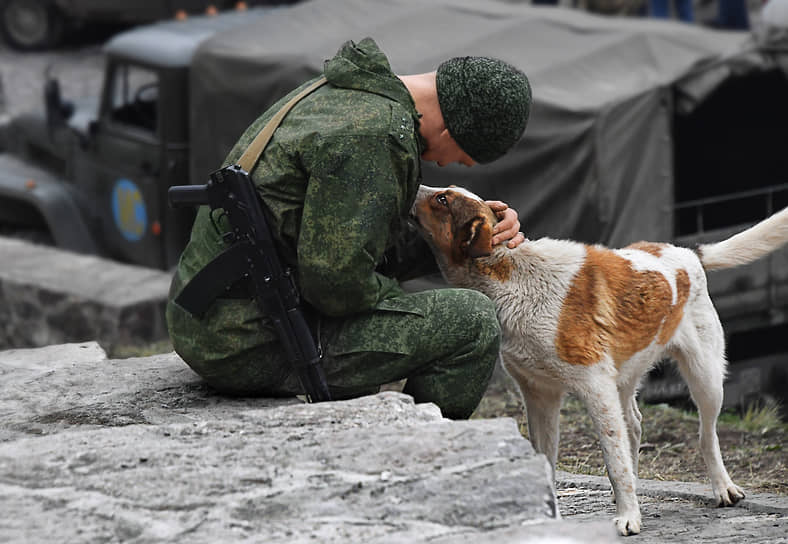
point(137, 147)
point(92, 175)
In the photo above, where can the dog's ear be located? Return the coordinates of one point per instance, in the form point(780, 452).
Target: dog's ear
point(477, 240)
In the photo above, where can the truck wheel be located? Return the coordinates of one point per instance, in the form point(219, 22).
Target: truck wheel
point(30, 24)
point(38, 236)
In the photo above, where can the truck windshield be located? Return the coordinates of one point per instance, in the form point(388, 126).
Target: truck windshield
point(134, 96)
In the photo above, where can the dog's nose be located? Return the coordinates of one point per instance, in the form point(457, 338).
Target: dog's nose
point(423, 193)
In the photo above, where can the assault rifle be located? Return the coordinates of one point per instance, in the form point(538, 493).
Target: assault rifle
point(251, 261)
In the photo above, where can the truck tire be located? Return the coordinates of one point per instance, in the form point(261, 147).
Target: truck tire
point(37, 236)
point(29, 25)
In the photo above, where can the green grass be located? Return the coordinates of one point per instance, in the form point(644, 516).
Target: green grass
point(757, 418)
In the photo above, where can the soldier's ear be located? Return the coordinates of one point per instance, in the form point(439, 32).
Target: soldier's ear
point(477, 238)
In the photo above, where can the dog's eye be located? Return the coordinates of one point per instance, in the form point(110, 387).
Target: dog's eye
point(442, 200)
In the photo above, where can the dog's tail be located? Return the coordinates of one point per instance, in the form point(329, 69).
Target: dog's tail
point(747, 246)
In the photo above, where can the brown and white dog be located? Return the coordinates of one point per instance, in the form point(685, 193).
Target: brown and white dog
point(592, 321)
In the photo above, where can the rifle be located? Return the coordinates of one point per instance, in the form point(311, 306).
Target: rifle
point(251, 258)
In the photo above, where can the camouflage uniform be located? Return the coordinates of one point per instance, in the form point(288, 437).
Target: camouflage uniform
point(339, 177)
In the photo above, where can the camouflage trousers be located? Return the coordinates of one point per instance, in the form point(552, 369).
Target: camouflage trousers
point(443, 342)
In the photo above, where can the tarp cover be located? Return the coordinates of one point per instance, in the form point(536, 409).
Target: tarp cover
point(595, 163)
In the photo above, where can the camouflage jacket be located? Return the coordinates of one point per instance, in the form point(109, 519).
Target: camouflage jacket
point(338, 177)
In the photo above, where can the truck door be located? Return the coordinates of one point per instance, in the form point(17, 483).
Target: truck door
point(127, 158)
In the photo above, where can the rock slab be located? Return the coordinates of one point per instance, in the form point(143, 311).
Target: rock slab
point(139, 450)
point(50, 296)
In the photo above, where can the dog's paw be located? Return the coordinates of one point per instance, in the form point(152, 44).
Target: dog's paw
point(729, 495)
point(628, 524)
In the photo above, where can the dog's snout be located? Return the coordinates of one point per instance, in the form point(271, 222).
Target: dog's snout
point(423, 193)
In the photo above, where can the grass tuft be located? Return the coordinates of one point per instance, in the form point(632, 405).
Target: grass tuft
point(760, 417)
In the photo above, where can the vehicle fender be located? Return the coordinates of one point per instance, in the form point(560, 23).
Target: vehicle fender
point(50, 196)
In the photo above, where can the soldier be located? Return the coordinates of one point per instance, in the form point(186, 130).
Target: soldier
point(338, 178)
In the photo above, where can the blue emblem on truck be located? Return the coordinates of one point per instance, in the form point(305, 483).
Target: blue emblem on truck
point(128, 209)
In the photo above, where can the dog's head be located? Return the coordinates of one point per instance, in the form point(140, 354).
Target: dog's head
point(456, 223)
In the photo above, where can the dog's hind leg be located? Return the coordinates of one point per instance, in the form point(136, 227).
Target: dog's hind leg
point(604, 407)
point(632, 419)
point(703, 368)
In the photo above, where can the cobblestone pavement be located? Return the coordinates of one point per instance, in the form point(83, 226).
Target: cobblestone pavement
point(678, 513)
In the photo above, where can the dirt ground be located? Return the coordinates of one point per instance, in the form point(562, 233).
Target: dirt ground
point(754, 447)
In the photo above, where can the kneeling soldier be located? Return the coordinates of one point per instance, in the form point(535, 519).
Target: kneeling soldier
point(337, 180)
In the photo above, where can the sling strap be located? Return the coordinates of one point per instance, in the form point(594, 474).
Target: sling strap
point(252, 154)
point(252, 259)
point(219, 277)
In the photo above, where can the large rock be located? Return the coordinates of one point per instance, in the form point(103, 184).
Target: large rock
point(96, 450)
point(50, 296)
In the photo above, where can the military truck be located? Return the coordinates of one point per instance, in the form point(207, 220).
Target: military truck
point(92, 175)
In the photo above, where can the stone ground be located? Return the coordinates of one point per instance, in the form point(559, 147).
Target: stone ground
point(678, 513)
point(139, 450)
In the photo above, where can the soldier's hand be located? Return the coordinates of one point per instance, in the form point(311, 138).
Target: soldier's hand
point(508, 227)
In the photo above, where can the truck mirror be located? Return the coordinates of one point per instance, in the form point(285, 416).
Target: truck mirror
point(58, 111)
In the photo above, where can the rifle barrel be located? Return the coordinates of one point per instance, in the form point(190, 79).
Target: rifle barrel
point(182, 196)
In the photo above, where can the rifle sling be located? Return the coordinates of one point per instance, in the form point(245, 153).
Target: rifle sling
point(252, 154)
point(221, 277)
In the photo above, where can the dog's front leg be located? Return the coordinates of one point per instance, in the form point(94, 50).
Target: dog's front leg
point(542, 409)
point(605, 410)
